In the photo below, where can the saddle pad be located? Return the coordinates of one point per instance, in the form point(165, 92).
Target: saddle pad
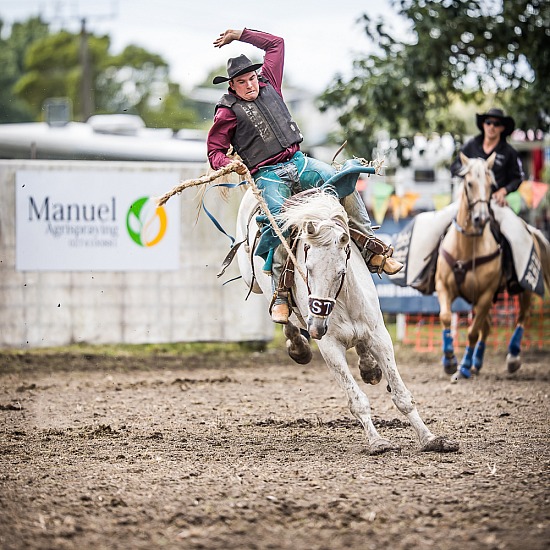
point(518, 234)
point(416, 242)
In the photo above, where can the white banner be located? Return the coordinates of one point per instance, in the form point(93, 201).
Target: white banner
point(96, 221)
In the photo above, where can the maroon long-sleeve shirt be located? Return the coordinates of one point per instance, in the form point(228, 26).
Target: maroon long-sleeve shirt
point(225, 121)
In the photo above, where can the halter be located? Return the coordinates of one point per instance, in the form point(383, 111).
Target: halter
point(322, 307)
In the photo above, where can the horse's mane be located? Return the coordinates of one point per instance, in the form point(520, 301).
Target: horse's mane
point(323, 209)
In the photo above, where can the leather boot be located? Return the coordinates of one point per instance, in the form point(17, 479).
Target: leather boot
point(378, 257)
point(378, 263)
point(279, 310)
point(280, 313)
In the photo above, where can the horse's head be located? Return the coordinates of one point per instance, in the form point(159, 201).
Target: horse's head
point(324, 231)
point(327, 249)
point(477, 180)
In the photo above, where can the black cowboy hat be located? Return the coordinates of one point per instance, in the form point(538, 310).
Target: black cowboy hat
point(507, 121)
point(237, 66)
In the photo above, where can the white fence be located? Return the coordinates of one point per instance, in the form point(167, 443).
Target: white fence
point(148, 299)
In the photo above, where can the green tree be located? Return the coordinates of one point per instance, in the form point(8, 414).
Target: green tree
point(53, 68)
point(135, 81)
point(454, 52)
point(12, 55)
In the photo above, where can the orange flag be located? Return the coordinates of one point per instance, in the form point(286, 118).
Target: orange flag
point(395, 203)
point(407, 203)
point(526, 192)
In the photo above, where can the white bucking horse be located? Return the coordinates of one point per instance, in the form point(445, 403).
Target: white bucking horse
point(338, 305)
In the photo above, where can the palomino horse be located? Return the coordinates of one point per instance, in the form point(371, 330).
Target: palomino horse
point(470, 266)
point(338, 288)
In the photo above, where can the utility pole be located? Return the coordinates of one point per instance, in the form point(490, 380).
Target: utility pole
point(87, 90)
point(86, 85)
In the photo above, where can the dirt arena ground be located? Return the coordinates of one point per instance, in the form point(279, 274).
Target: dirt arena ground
point(251, 451)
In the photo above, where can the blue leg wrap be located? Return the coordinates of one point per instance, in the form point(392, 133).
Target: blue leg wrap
point(448, 341)
point(449, 360)
point(479, 352)
point(466, 363)
point(514, 347)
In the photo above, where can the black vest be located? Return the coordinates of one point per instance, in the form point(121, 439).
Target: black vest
point(264, 126)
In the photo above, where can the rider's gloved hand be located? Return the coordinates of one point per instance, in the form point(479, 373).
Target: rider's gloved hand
point(241, 168)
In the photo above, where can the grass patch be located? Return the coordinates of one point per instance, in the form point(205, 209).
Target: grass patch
point(154, 349)
point(166, 348)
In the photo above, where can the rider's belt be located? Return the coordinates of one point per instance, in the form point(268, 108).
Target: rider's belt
point(372, 244)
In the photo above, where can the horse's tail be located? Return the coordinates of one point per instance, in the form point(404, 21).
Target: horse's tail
point(543, 248)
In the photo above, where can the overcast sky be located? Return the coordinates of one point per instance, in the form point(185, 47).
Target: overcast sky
point(321, 38)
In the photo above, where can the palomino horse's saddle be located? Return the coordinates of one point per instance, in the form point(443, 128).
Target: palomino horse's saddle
point(461, 268)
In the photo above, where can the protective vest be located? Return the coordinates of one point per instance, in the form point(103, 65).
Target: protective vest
point(264, 126)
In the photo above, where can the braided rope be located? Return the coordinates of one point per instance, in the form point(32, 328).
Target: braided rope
point(232, 167)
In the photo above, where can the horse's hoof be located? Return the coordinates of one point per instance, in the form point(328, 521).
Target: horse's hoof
point(440, 444)
point(302, 356)
point(449, 369)
point(513, 362)
point(458, 375)
point(381, 446)
point(371, 375)
point(449, 364)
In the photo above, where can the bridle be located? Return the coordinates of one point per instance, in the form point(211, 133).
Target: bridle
point(471, 204)
point(459, 267)
point(322, 307)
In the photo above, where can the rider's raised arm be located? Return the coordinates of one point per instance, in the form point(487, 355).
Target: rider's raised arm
point(274, 58)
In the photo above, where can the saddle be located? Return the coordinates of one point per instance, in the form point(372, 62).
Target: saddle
point(460, 268)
